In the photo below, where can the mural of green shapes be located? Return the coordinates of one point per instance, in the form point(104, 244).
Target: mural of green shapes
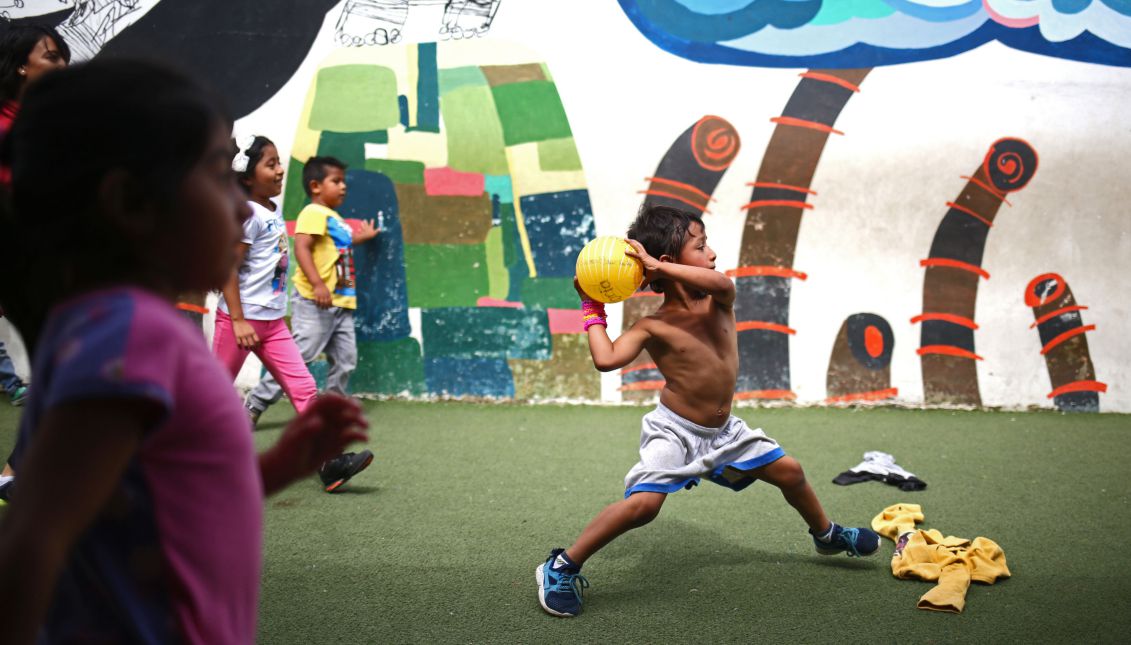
point(530, 111)
point(546, 293)
point(568, 374)
point(355, 98)
point(497, 275)
point(457, 77)
point(558, 154)
point(475, 137)
point(442, 219)
point(512, 251)
point(294, 197)
point(445, 275)
point(349, 147)
point(391, 367)
point(398, 170)
point(485, 332)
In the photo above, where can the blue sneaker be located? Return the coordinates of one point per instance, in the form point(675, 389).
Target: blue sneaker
point(854, 542)
point(559, 590)
point(19, 396)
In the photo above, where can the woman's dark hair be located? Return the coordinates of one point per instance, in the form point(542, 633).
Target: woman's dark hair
point(76, 126)
point(16, 43)
point(254, 154)
point(661, 230)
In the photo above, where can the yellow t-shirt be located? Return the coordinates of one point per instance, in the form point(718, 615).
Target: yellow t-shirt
point(333, 255)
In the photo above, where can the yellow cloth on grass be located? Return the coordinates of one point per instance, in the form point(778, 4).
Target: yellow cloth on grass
point(927, 555)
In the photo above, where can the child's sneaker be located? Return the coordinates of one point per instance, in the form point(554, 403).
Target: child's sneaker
point(19, 396)
point(854, 542)
point(338, 470)
point(253, 414)
point(559, 590)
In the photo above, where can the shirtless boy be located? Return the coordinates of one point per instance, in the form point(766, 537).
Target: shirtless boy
point(691, 434)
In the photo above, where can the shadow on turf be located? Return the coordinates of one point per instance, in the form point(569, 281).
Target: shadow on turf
point(661, 566)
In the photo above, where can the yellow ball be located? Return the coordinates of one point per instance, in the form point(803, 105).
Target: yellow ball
point(605, 272)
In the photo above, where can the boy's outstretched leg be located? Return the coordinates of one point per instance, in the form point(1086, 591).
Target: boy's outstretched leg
point(560, 582)
point(829, 538)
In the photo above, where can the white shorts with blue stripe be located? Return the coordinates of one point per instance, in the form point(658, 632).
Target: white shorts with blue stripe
point(676, 453)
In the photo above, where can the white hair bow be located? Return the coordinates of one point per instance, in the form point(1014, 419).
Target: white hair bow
point(240, 161)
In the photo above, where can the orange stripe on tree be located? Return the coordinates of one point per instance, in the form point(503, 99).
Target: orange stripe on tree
point(954, 264)
point(765, 394)
point(948, 350)
point(951, 318)
point(1058, 312)
point(1079, 386)
point(642, 366)
point(971, 213)
point(196, 309)
point(642, 385)
point(874, 395)
point(777, 202)
point(1065, 336)
point(747, 325)
point(989, 189)
point(680, 184)
point(804, 123)
point(685, 200)
point(829, 78)
point(778, 272)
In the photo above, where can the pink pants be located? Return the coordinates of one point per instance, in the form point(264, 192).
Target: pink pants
point(276, 349)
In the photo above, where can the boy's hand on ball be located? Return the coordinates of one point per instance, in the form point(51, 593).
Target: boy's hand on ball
point(580, 292)
point(637, 251)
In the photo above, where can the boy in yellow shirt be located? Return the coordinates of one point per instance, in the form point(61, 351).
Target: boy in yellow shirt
point(324, 298)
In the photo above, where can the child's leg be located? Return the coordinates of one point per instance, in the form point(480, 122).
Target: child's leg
point(8, 379)
point(613, 521)
point(310, 327)
point(282, 358)
point(341, 352)
point(224, 345)
point(787, 475)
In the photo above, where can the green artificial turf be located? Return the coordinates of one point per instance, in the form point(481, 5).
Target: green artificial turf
point(438, 540)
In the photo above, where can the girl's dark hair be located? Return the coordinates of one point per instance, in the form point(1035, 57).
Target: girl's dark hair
point(254, 154)
point(662, 231)
point(16, 43)
point(76, 126)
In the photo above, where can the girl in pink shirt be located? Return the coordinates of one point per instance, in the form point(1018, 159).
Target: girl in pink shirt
point(137, 516)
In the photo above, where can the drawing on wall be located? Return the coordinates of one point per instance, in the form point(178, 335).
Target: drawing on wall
point(954, 267)
point(473, 174)
point(858, 33)
point(86, 25)
point(780, 195)
point(860, 364)
point(1061, 328)
point(384, 22)
point(187, 34)
point(685, 178)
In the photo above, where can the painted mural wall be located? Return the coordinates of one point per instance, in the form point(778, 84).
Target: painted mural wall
point(921, 203)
